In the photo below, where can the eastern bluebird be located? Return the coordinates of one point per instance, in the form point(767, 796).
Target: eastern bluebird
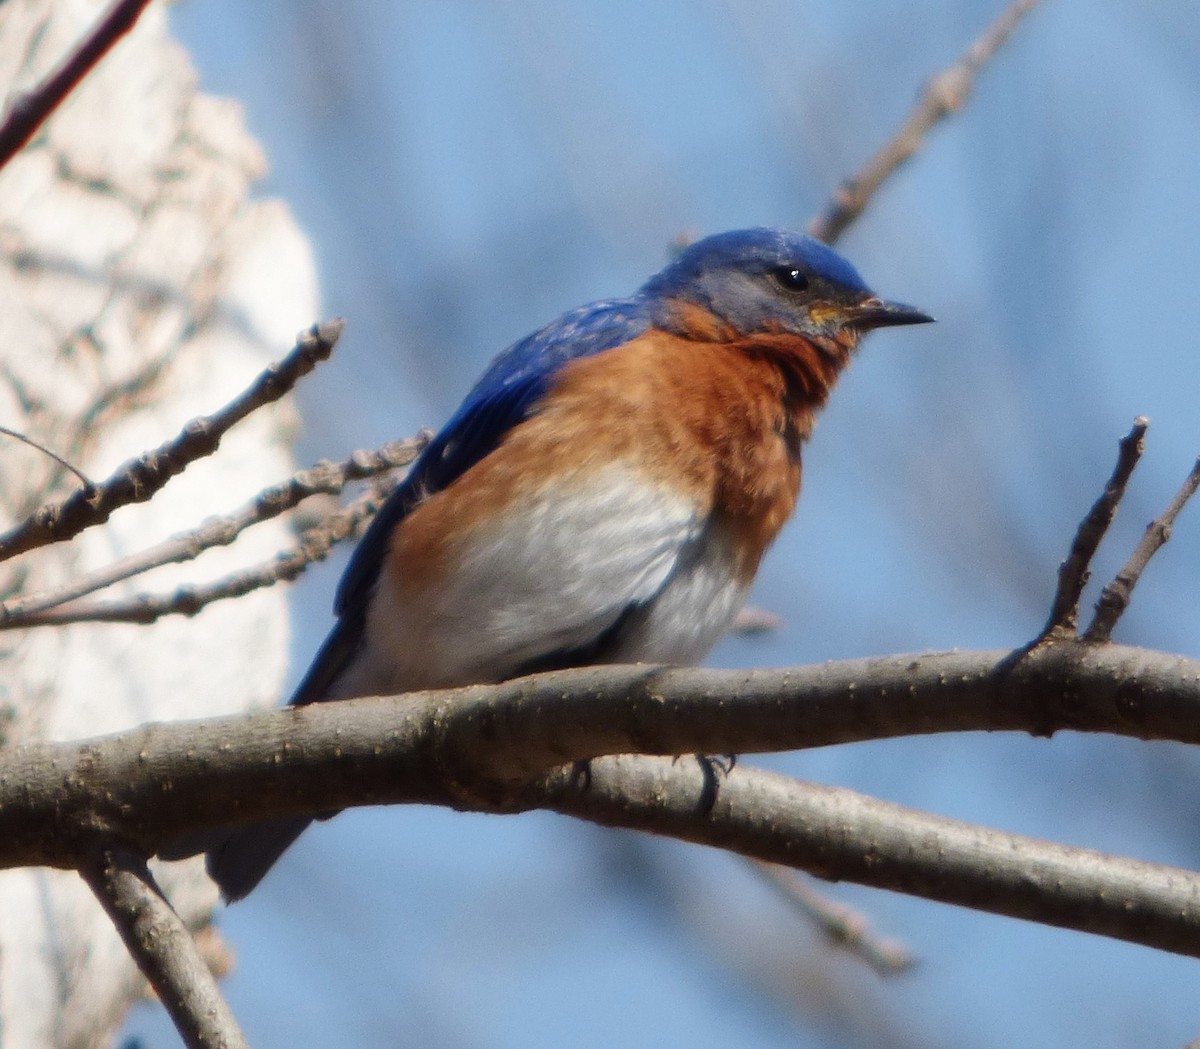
point(603, 495)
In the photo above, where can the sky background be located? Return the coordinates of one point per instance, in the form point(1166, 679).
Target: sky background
point(467, 170)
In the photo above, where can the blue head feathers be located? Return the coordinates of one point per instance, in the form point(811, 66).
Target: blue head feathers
point(758, 251)
point(769, 280)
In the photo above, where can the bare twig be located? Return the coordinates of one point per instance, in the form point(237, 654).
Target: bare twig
point(163, 949)
point(1114, 599)
point(139, 479)
point(84, 480)
point(1074, 571)
point(323, 478)
point(29, 110)
point(944, 94)
point(314, 545)
point(842, 926)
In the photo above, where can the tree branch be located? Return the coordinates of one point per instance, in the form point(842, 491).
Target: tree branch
point(139, 479)
point(944, 94)
point(842, 926)
point(1115, 597)
point(51, 454)
point(164, 949)
point(29, 110)
point(1073, 573)
point(488, 748)
point(314, 545)
point(840, 835)
point(323, 478)
point(481, 747)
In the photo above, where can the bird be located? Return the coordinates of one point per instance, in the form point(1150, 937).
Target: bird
point(604, 494)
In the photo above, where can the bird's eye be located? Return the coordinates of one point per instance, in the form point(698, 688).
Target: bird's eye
point(789, 278)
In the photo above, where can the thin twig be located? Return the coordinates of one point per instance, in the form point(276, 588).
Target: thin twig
point(944, 94)
point(140, 479)
point(1114, 599)
point(314, 545)
point(30, 109)
point(164, 950)
point(84, 479)
point(1073, 573)
point(323, 478)
point(842, 926)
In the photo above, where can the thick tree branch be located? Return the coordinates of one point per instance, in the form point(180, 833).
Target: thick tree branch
point(944, 94)
point(139, 479)
point(488, 748)
point(163, 948)
point(478, 747)
point(840, 835)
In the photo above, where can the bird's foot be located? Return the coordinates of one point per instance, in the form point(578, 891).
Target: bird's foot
point(714, 768)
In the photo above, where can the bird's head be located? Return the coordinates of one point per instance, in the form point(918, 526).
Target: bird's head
point(767, 283)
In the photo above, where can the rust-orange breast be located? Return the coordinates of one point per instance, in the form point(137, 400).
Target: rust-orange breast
point(718, 423)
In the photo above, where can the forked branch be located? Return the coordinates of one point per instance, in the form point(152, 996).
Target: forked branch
point(1074, 572)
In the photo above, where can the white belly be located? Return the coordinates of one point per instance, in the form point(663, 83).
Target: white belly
point(552, 577)
point(692, 611)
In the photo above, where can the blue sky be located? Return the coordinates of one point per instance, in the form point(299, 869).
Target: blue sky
point(467, 171)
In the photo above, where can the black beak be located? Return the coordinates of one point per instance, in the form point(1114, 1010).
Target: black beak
point(878, 313)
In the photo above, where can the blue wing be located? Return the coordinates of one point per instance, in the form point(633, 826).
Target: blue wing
point(508, 391)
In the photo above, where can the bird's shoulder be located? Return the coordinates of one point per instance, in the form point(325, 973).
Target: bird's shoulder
point(502, 398)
